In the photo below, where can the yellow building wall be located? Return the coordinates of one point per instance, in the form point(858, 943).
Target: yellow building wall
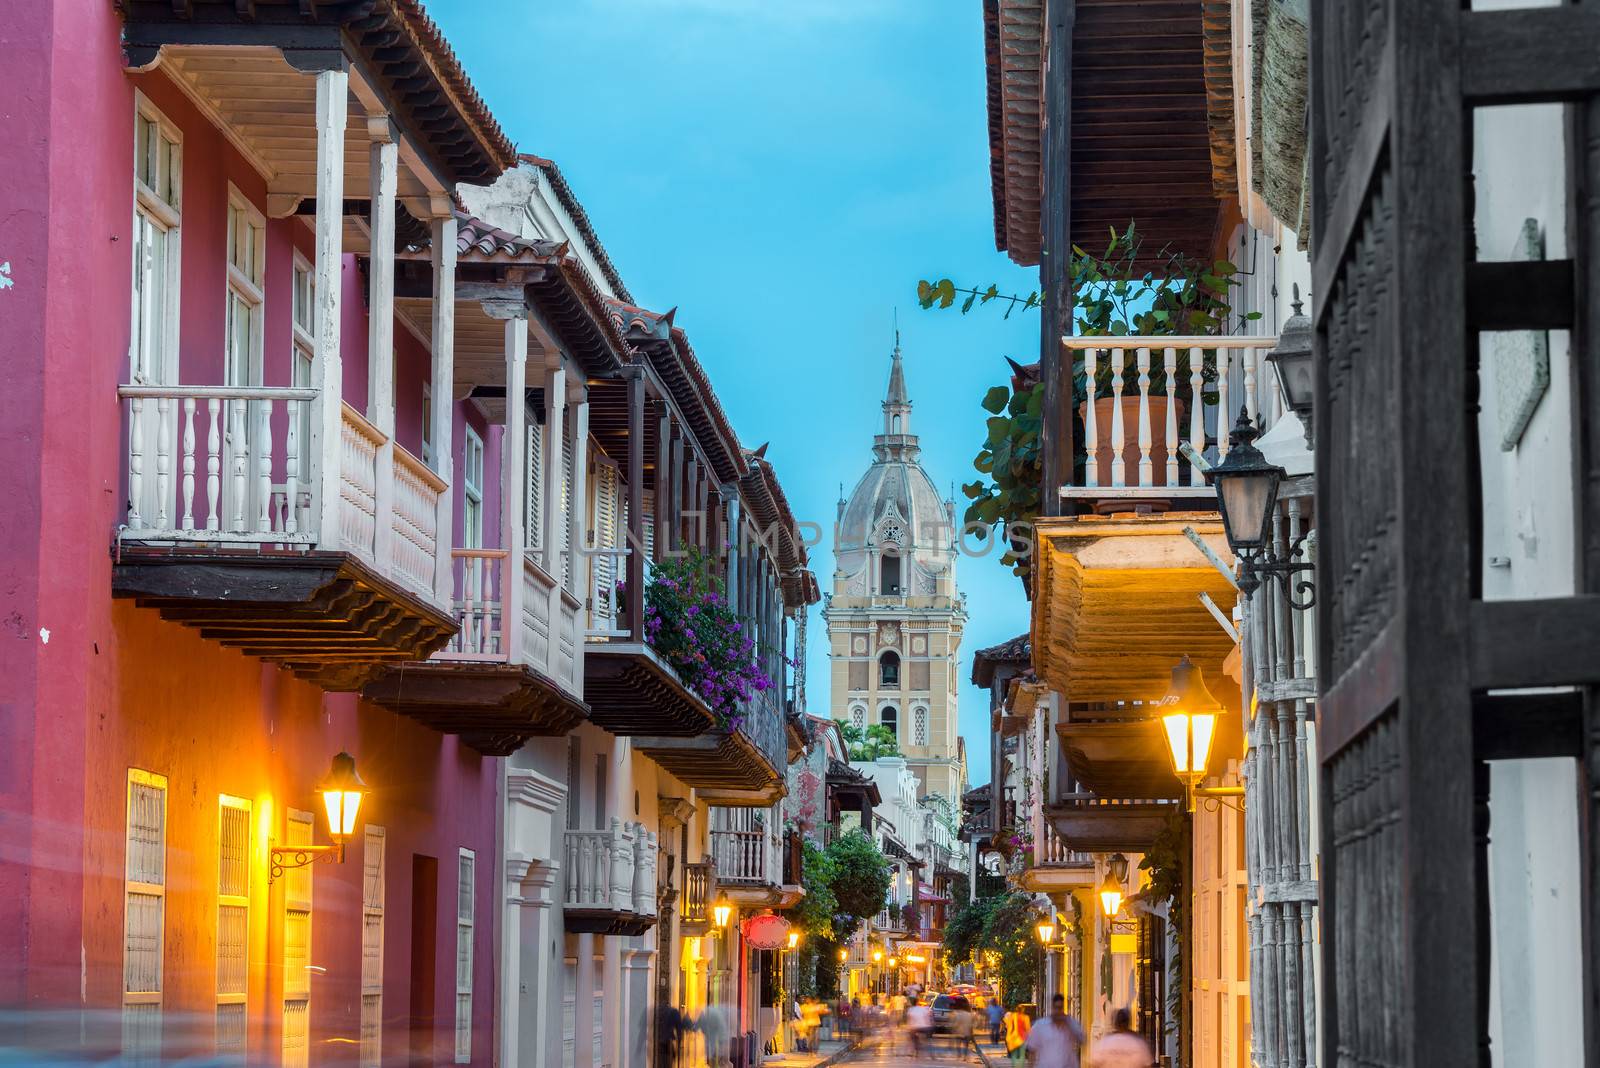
point(1220, 955)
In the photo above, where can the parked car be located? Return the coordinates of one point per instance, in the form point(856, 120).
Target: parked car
point(943, 1006)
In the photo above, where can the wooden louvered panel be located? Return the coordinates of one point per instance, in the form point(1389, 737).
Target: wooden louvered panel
point(535, 490)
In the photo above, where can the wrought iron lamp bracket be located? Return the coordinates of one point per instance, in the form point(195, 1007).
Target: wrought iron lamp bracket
point(288, 858)
point(1300, 593)
point(1215, 798)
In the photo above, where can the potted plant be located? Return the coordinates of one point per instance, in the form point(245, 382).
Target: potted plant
point(1176, 295)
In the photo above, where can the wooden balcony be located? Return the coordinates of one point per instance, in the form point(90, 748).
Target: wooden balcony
point(699, 892)
point(1054, 866)
point(740, 768)
point(751, 868)
point(1153, 396)
point(322, 560)
point(610, 880)
point(1099, 825)
point(503, 678)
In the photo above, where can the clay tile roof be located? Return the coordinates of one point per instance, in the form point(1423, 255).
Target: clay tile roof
point(667, 348)
point(1018, 650)
point(479, 240)
point(443, 59)
point(1014, 64)
point(580, 217)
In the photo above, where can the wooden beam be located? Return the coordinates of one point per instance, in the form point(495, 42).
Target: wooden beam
point(1368, 688)
point(443, 398)
point(1548, 642)
point(1055, 257)
point(1525, 726)
point(327, 425)
point(1521, 295)
point(1522, 56)
point(635, 539)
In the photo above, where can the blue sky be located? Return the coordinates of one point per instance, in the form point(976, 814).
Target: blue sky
point(783, 173)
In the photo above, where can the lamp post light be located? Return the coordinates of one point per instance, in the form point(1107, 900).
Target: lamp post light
point(1189, 716)
point(342, 790)
point(721, 912)
point(1247, 496)
point(1046, 930)
point(1292, 361)
point(1111, 888)
point(794, 939)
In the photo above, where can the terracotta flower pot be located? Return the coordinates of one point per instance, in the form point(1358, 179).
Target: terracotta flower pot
point(1104, 407)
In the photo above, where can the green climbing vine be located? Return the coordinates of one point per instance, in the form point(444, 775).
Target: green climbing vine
point(1167, 861)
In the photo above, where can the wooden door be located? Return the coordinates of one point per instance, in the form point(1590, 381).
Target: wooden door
point(1413, 663)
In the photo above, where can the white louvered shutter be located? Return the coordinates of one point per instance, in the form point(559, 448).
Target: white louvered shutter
point(297, 947)
point(535, 494)
point(145, 900)
point(568, 572)
point(649, 526)
point(372, 894)
point(465, 898)
point(233, 922)
point(603, 528)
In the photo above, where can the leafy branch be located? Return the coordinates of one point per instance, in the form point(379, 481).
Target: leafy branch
point(943, 293)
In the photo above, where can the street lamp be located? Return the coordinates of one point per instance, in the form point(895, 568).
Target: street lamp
point(844, 955)
point(1046, 929)
point(1293, 363)
point(722, 911)
point(1247, 494)
point(877, 956)
point(342, 790)
point(1189, 716)
point(1111, 888)
point(794, 939)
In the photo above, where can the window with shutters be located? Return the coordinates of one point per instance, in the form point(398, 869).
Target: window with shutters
point(574, 756)
point(297, 946)
point(233, 921)
point(604, 489)
point(465, 897)
point(157, 216)
point(568, 572)
point(472, 491)
point(144, 910)
point(247, 258)
point(535, 494)
point(372, 891)
point(304, 299)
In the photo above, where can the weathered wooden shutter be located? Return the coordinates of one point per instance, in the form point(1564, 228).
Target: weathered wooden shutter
point(567, 570)
point(1413, 664)
point(535, 492)
point(603, 526)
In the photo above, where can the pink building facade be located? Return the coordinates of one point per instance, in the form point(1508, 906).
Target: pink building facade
point(165, 232)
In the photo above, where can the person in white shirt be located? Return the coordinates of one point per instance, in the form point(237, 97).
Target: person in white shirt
point(919, 1023)
point(1055, 1041)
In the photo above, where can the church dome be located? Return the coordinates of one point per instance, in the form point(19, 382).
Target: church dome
point(895, 511)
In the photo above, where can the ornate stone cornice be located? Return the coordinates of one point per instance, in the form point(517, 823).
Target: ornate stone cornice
point(539, 792)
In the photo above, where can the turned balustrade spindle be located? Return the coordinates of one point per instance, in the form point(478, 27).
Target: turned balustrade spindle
point(1119, 359)
point(239, 453)
point(163, 461)
point(291, 468)
point(1224, 409)
point(135, 462)
point(1146, 467)
point(1091, 425)
point(214, 464)
point(188, 463)
point(1197, 420)
point(1169, 364)
point(264, 469)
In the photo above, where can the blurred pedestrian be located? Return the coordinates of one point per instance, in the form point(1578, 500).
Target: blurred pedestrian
point(997, 1020)
point(1122, 1047)
point(1056, 1040)
point(919, 1026)
point(1017, 1026)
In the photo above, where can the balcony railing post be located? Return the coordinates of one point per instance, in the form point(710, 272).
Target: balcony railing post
point(634, 619)
point(380, 332)
point(333, 90)
point(443, 335)
point(513, 510)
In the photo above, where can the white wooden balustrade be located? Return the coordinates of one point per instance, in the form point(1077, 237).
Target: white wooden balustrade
point(613, 870)
point(742, 856)
point(605, 568)
point(1131, 439)
point(549, 616)
point(203, 466)
point(227, 465)
point(1049, 849)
